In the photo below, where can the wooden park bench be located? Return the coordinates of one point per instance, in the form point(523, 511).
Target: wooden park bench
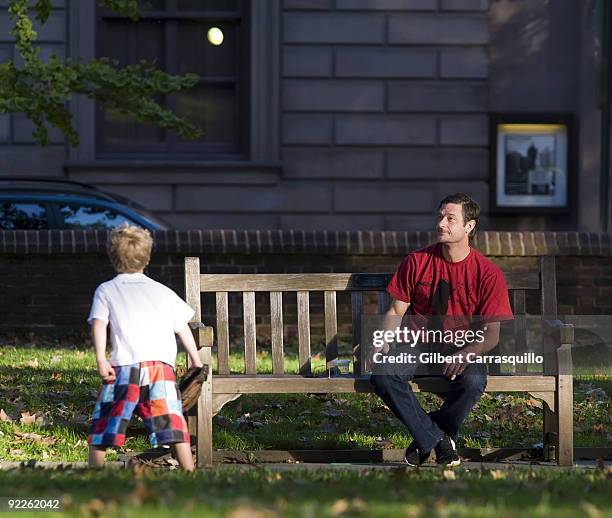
point(553, 386)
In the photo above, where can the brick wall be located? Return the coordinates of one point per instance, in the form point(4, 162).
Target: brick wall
point(47, 278)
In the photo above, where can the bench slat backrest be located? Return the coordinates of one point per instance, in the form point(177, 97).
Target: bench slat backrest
point(222, 332)
point(329, 284)
point(277, 336)
point(327, 281)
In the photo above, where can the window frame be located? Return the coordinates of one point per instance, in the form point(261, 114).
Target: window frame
point(172, 147)
point(263, 146)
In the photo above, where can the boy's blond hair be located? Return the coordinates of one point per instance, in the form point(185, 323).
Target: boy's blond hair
point(129, 248)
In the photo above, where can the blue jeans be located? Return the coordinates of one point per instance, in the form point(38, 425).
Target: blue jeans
point(391, 384)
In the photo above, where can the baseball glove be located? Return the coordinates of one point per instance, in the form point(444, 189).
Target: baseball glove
point(190, 386)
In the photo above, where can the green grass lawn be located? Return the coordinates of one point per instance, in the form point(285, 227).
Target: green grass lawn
point(257, 492)
point(49, 393)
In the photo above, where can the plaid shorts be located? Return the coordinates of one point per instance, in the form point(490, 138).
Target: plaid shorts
point(150, 389)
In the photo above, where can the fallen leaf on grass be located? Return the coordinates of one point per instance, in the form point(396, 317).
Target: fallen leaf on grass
point(16, 452)
point(536, 403)
point(27, 418)
point(97, 507)
point(596, 394)
point(49, 441)
point(245, 511)
point(4, 417)
point(32, 363)
point(350, 507)
point(413, 511)
point(383, 443)
point(24, 435)
point(590, 510)
point(141, 493)
point(449, 475)
point(497, 474)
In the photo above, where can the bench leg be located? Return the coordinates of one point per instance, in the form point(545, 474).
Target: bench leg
point(549, 435)
point(205, 416)
point(565, 420)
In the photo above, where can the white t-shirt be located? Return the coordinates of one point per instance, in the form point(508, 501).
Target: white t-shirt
point(144, 316)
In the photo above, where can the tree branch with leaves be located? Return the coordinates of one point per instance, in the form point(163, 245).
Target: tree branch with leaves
point(42, 91)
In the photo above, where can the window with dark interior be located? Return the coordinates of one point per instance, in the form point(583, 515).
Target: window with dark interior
point(175, 35)
point(23, 216)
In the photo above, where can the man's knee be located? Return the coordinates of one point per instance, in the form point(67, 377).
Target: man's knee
point(382, 382)
point(379, 382)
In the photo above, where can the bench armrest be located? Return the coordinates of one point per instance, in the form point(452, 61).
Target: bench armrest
point(559, 332)
point(203, 335)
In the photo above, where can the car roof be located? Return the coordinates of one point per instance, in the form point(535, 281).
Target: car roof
point(44, 186)
point(52, 186)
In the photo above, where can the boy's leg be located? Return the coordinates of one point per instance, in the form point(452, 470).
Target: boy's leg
point(184, 456)
point(161, 410)
point(96, 456)
point(112, 414)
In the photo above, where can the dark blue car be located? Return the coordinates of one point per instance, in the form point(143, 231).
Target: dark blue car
point(41, 204)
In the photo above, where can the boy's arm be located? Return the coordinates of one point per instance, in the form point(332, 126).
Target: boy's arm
point(190, 346)
point(98, 330)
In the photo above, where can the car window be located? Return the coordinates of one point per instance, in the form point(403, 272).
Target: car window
point(90, 217)
point(23, 216)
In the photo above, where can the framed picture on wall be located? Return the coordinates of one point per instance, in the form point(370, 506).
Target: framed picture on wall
point(531, 162)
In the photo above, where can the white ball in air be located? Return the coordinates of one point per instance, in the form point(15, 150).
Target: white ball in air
point(215, 36)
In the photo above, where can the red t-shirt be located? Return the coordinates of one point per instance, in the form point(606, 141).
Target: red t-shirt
point(432, 285)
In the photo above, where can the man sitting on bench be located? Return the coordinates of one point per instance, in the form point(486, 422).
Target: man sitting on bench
point(446, 281)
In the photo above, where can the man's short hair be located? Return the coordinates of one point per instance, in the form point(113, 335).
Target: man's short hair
point(470, 209)
point(129, 248)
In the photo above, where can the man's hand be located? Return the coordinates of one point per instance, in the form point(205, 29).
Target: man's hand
point(374, 350)
point(456, 368)
point(105, 370)
point(452, 370)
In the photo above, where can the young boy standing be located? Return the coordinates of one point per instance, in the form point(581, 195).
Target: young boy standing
point(143, 316)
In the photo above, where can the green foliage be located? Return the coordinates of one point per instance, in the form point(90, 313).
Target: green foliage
point(42, 90)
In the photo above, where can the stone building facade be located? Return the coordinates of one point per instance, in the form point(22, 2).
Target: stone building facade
point(353, 114)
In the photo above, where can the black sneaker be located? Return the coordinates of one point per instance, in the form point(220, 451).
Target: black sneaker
point(446, 453)
point(414, 457)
